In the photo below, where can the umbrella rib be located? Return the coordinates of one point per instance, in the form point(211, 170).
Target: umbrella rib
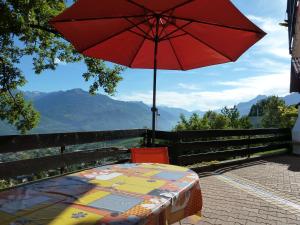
point(146, 33)
point(112, 36)
point(167, 10)
point(174, 31)
point(162, 31)
point(164, 25)
point(141, 6)
point(171, 37)
point(143, 36)
point(95, 18)
point(216, 24)
point(203, 42)
point(177, 6)
point(138, 50)
point(172, 46)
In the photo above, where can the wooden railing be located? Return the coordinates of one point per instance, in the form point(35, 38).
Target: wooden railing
point(18, 143)
point(190, 147)
point(185, 148)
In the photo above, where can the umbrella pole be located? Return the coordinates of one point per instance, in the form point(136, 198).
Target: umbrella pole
point(154, 109)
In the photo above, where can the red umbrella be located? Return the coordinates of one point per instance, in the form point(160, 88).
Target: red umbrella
point(158, 34)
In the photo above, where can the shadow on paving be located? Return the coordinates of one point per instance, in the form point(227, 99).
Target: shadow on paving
point(225, 169)
point(293, 162)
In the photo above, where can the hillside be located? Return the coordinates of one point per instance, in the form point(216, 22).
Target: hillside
point(77, 110)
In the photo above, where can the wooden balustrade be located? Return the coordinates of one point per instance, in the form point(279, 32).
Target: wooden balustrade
point(185, 147)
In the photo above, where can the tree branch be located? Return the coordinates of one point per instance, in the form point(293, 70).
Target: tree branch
point(36, 26)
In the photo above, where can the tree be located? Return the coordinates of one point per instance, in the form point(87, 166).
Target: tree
point(244, 123)
point(216, 120)
point(289, 115)
point(228, 119)
point(233, 115)
point(257, 109)
point(25, 31)
point(210, 120)
point(271, 112)
point(195, 122)
point(275, 113)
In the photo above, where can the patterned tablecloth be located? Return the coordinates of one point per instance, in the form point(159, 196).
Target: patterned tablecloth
point(123, 194)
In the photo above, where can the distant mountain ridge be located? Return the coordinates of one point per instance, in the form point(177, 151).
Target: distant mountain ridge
point(77, 110)
point(244, 107)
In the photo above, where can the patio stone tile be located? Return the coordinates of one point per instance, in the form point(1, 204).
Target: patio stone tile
point(227, 202)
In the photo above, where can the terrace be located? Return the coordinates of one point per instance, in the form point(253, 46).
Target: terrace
point(247, 176)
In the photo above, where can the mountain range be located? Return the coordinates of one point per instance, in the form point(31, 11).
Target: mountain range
point(77, 110)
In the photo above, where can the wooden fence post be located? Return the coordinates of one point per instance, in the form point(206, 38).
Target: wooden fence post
point(63, 167)
point(148, 138)
point(174, 149)
point(248, 148)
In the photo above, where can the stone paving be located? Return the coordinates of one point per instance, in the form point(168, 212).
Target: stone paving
point(260, 192)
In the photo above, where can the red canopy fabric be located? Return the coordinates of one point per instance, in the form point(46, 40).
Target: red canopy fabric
point(190, 33)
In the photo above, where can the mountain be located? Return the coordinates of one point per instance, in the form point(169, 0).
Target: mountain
point(292, 99)
point(176, 112)
point(77, 110)
point(244, 107)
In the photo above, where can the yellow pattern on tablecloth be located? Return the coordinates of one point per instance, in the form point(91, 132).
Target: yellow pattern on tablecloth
point(131, 184)
point(91, 196)
point(140, 185)
point(62, 214)
point(165, 167)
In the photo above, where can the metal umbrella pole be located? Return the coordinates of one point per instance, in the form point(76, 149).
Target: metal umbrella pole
point(154, 109)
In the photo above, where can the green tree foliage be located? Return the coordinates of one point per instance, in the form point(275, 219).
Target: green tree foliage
point(271, 112)
point(233, 115)
point(244, 122)
point(215, 120)
point(288, 115)
point(275, 113)
point(13, 107)
point(25, 31)
point(257, 109)
point(228, 119)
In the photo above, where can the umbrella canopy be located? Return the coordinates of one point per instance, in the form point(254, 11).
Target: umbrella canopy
point(168, 34)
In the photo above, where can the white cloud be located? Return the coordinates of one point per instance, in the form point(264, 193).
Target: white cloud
point(190, 87)
point(265, 65)
point(276, 41)
point(235, 91)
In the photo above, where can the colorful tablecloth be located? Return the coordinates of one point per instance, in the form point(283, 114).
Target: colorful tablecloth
point(122, 194)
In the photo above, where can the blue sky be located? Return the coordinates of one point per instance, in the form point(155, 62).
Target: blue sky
point(264, 69)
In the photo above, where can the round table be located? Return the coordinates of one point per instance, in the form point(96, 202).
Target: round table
point(120, 194)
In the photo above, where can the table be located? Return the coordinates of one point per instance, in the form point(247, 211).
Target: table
point(120, 194)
